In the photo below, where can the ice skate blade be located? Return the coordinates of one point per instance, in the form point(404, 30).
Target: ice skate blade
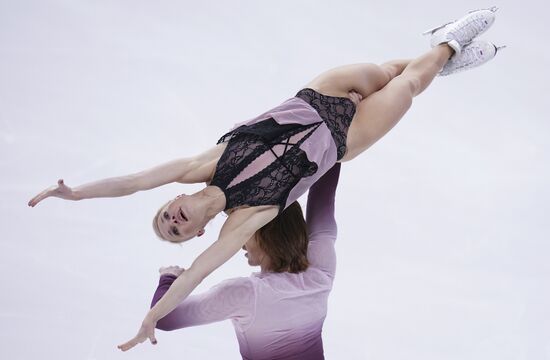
point(431, 31)
point(492, 9)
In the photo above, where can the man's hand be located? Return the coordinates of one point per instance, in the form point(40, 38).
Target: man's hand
point(355, 97)
point(173, 270)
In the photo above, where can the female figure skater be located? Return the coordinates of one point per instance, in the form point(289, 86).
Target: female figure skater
point(266, 163)
point(279, 312)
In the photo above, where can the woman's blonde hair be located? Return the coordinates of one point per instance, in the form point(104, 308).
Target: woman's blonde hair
point(156, 221)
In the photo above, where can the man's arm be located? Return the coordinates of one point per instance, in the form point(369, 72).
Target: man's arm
point(231, 299)
point(321, 223)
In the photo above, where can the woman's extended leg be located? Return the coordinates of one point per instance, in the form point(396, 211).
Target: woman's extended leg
point(380, 111)
point(364, 79)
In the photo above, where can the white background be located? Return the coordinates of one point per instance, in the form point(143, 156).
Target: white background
point(443, 225)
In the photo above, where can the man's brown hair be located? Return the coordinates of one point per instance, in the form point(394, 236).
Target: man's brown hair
point(285, 240)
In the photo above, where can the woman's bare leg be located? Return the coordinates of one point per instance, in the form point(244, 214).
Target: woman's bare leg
point(380, 111)
point(364, 79)
point(396, 67)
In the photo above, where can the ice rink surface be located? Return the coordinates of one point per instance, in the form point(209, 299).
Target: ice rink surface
point(444, 231)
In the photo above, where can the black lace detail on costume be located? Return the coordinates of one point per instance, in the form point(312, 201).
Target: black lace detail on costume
point(269, 130)
point(271, 185)
point(337, 112)
point(241, 150)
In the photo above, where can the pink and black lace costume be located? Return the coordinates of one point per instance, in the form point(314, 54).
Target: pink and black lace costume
point(274, 158)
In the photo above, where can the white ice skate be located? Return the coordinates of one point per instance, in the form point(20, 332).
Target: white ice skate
point(475, 54)
point(461, 32)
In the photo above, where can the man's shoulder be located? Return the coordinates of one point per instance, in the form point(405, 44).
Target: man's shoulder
point(239, 284)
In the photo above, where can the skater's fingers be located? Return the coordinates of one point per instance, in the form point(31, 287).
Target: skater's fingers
point(38, 198)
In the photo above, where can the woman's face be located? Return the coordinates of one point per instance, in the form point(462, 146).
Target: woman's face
point(255, 255)
point(180, 221)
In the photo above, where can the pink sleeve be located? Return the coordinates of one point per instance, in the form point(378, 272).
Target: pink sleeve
point(231, 299)
point(321, 222)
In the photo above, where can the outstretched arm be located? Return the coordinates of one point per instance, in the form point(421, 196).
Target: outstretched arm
point(321, 223)
point(187, 170)
point(230, 299)
point(240, 226)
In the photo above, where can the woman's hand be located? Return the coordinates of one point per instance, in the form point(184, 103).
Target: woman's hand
point(147, 331)
point(173, 270)
point(60, 190)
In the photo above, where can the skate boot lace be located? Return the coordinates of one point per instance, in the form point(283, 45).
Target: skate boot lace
point(467, 31)
point(470, 56)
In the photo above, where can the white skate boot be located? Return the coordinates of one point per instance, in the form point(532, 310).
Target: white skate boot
point(461, 32)
point(472, 55)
